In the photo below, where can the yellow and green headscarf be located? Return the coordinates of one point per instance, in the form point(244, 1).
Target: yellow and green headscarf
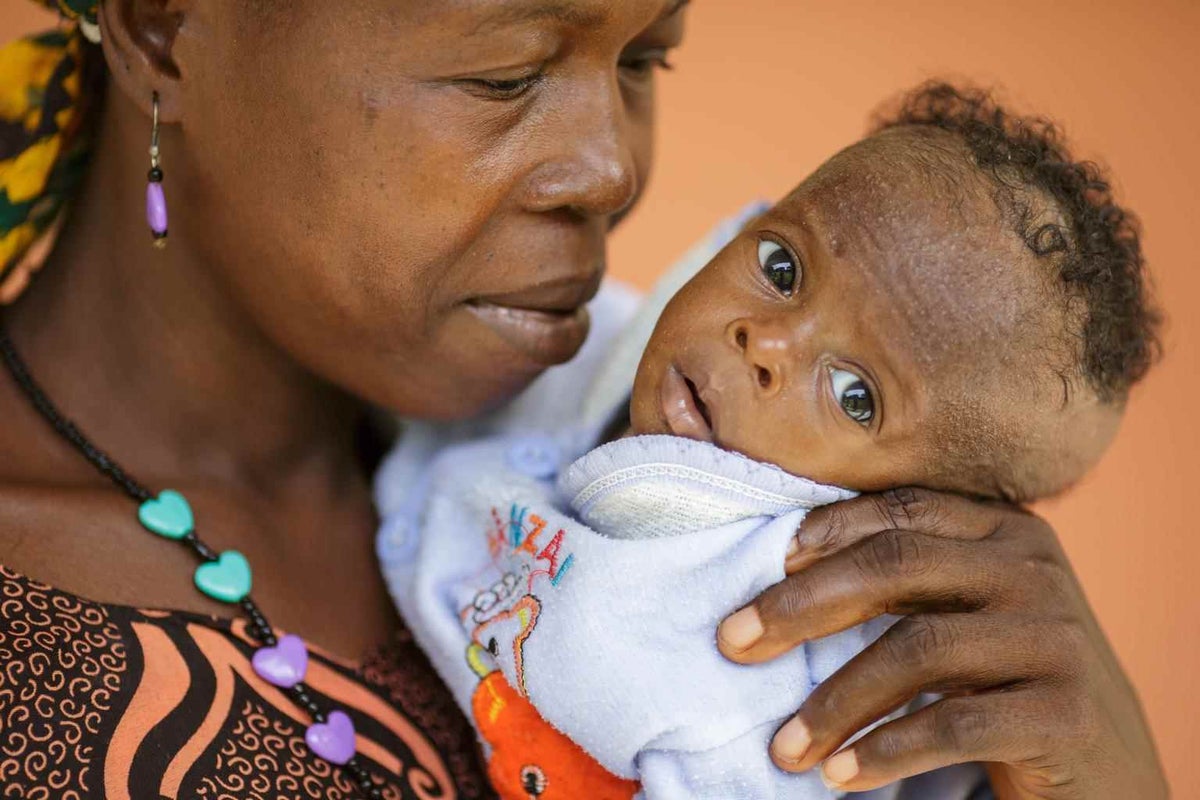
point(43, 141)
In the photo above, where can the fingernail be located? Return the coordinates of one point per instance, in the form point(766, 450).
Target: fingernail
point(793, 546)
point(741, 630)
point(792, 741)
point(840, 769)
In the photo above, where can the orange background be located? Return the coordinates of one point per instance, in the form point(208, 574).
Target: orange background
point(766, 89)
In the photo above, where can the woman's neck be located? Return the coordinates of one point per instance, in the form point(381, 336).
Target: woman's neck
point(145, 351)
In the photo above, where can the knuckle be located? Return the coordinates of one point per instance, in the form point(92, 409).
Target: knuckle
point(1029, 527)
point(790, 600)
point(1057, 652)
point(1041, 542)
point(919, 640)
point(1041, 529)
point(908, 507)
point(887, 746)
point(892, 553)
point(1073, 643)
point(824, 707)
point(1062, 780)
point(961, 727)
point(1044, 572)
point(829, 533)
point(1076, 719)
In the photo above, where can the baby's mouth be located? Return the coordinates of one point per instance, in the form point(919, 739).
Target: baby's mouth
point(685, 413)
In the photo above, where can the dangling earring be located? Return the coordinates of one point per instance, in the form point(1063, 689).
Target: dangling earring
point(156, 203)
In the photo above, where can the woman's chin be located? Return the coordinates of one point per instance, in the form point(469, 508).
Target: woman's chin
point(449, 393)
point(467, 370)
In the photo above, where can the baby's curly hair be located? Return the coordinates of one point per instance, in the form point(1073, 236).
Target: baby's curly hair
point(1096, 254)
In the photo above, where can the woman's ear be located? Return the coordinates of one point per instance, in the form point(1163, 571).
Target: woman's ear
point(138, 37)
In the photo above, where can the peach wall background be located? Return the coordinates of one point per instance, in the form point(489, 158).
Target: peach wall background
point(766, 89)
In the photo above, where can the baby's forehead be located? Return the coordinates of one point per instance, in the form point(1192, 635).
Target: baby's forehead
point(912, 225)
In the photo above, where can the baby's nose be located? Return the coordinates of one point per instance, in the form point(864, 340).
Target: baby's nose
point(766, 348)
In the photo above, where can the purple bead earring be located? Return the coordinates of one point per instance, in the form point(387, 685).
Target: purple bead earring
point(156, 203)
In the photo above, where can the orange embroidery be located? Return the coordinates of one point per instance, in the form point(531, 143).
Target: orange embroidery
point(530, 759)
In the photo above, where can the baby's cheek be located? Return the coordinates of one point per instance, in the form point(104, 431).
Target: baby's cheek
point(644, 414)
point(786, 434)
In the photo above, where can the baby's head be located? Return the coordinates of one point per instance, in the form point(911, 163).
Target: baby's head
point(952, 302)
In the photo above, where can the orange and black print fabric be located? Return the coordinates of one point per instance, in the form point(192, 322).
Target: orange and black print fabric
point(102, 701)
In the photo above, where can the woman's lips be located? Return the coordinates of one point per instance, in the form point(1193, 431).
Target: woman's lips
point(681, 408)
point(545, 337)
point(548, 322)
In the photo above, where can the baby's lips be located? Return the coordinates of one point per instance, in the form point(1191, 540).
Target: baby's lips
point(679, 408)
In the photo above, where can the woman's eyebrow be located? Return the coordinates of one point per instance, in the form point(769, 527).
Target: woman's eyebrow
point(568, 12)
point(518, 13)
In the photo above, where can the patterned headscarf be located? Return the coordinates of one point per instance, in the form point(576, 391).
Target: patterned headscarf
point(43, 141)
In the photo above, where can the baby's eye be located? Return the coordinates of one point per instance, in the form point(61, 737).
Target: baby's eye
point(778, 265)
point(853, 395)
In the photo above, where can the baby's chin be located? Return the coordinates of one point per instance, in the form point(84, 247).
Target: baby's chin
point(665, 402)
point(644, 418)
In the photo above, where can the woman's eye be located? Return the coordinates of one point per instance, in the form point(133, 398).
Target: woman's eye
point(503, 89)
point(853, 395)
point(778, 265)
point(643, 64)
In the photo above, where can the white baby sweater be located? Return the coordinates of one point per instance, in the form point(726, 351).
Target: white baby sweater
point(599, 598)
point(593, 580)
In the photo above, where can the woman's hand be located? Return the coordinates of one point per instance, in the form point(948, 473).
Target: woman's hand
point(994, 620)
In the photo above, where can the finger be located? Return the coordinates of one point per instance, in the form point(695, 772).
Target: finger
point(1007, 727)
point(946, 653)
point(894, 572)
point(832, 528)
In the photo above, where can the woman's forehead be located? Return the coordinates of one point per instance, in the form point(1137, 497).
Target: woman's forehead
point(481, 17)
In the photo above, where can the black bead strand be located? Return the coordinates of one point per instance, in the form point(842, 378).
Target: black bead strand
point(260, 627)
point(64, 426)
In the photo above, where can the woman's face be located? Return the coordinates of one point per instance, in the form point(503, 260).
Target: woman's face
point(411, 198)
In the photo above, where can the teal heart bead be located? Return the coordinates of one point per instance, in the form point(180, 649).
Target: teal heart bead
point(227, 579)
point(167, 515)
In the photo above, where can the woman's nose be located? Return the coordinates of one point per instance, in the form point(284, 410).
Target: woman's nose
point(766, 347)
point(592, 170)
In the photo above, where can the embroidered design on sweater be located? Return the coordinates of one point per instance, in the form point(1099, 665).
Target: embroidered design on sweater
point(521, 618)
point(528, 757)
point(508, 609)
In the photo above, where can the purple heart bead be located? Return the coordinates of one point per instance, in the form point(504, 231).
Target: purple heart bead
point(284, 664)
point(332, 740)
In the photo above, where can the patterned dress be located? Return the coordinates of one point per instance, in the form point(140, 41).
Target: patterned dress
point(108, 701)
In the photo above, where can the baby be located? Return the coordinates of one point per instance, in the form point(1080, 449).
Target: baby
point(952, 302)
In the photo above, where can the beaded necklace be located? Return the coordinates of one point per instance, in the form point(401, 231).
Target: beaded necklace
point(224, 576)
